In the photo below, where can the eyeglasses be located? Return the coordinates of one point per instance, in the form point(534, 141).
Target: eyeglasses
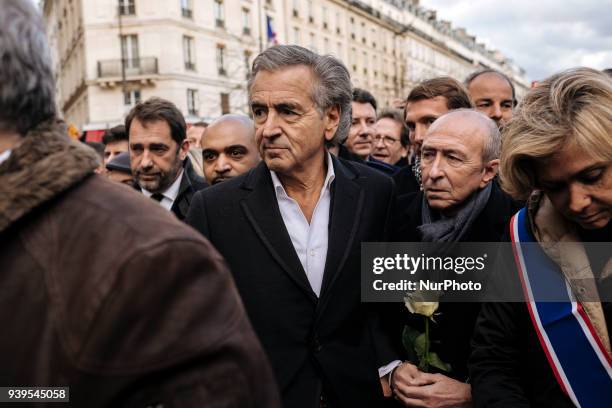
point(387, 140)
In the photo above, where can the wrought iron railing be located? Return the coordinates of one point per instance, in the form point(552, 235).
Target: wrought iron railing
point(133, 67)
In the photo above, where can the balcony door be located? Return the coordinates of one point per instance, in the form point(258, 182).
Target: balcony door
point(130, 54)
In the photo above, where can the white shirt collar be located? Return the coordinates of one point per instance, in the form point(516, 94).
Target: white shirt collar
point(5, 155)
point(331, 175)
point(171, 192)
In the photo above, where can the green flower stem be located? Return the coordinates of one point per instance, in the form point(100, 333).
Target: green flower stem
point(426, 345)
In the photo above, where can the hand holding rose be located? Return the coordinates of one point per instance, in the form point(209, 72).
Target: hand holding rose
point(415, 388)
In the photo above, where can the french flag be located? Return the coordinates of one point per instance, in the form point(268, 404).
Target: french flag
point(272, 40)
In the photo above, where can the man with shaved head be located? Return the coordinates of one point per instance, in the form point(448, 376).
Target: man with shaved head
point(460, 202)
point(459, 159)
point(228, 148)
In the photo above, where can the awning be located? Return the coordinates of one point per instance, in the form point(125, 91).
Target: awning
point(94, 135)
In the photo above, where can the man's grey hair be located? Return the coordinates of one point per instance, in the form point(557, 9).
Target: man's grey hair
point(27, 84)
point(332, 85)
point(492, 143)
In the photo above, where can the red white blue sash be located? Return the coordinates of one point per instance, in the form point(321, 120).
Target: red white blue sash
point(576, 355)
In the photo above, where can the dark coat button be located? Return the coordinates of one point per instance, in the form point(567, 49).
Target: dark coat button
point(316, 346)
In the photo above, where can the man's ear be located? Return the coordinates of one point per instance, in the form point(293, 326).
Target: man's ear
point(490, 171)
point(332, 120)
point(183, 149)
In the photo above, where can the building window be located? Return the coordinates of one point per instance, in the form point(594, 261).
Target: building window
point(221, 59)
point(131, 98)
point(338, 23)
point(225, 105)
point(129, 51)
point(296, 8)
point(192, 102)
point(352, 28)
point(363, 32)
point(246, 21)
point(324, 17)
point(247, 59)
point(247, 62)
point(313, 44)
point(326, 45)
point(188, 53)
point(127, 7)
point(186, 9)
point(296, 35)
point(219, 14)
point(310, 11)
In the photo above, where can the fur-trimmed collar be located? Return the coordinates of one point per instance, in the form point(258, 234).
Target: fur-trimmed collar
point(46, 163)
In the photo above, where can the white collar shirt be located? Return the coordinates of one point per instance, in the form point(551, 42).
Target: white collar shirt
point(5, 155)
point(309, 240)
point(170, 194)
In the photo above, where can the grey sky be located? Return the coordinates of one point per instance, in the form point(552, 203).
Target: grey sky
point(541, 36)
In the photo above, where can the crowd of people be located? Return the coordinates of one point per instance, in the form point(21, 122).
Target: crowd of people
point(219, 264)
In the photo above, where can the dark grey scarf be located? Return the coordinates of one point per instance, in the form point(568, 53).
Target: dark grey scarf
point(453, 229)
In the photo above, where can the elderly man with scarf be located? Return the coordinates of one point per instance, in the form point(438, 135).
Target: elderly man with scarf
point(460, 202)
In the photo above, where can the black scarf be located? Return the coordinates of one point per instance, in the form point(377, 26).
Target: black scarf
point(454, 228)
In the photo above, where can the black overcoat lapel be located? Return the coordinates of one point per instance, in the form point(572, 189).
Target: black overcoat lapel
point(261, 209)
point(345, 215)
point(183, 198)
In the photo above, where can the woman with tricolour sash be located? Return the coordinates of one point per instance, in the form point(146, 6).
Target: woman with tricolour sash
point(552, 348)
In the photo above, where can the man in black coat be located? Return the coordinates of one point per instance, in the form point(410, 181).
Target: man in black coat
point(190, 184)
point(291, 230)
point(158, 155)
point(460, 202)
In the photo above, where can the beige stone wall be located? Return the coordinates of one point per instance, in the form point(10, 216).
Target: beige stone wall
point(387, 50)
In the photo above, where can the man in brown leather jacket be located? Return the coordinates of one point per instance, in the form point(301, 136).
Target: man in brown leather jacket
point(101, 290)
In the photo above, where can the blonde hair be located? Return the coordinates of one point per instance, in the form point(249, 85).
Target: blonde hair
point(572, 107)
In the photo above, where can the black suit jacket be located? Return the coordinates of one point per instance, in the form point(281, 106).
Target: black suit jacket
point(333, 342)
point(405, 181)
point(346, 154)
point(190, 184)
point(456, 321)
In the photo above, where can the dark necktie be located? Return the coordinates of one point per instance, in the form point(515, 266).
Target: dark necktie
point(157, 197)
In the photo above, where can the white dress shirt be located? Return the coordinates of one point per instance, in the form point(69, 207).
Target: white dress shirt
point(309, 240)
point(5, 155)
point(170, 194)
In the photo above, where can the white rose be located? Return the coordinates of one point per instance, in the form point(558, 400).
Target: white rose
point(426, 309)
